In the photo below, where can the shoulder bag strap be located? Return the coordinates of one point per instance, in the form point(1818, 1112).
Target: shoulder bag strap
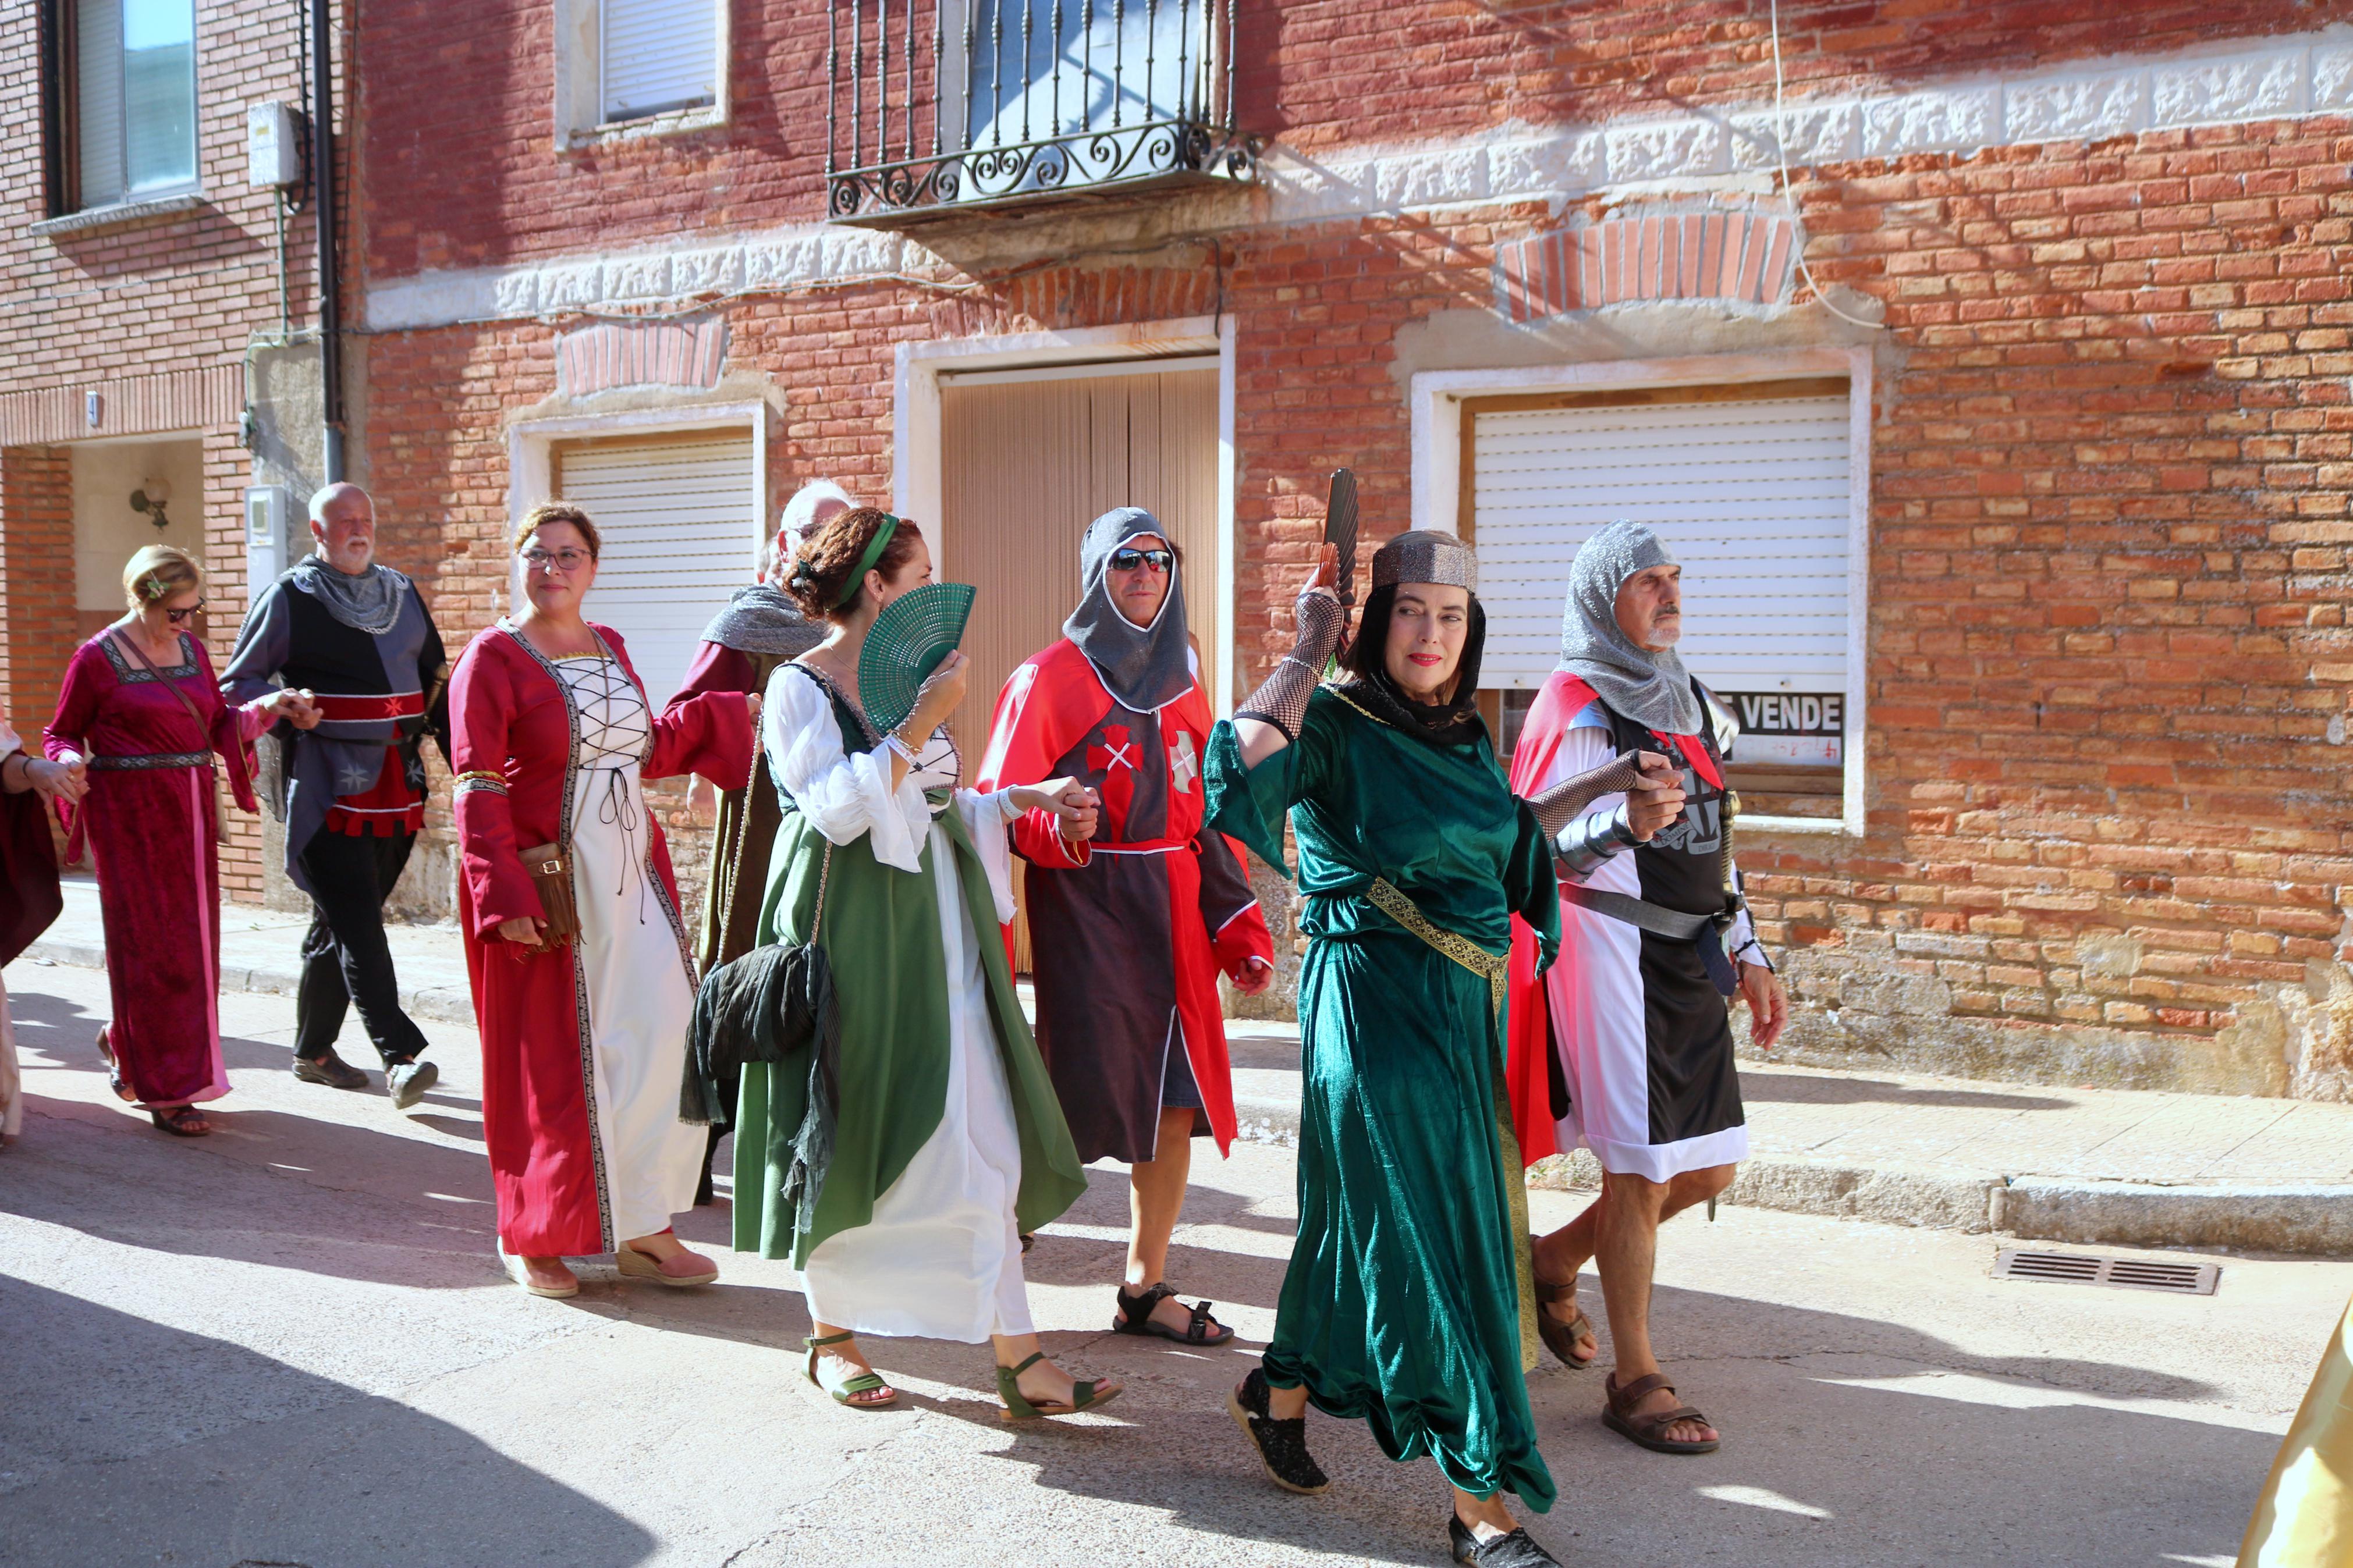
point(170, 685)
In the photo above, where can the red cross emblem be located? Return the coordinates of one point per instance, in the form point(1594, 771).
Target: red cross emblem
point(1183, 763)
point(1118, 754)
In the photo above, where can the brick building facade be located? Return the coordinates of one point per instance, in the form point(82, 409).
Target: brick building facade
point(152, 308)
point(2009, 442)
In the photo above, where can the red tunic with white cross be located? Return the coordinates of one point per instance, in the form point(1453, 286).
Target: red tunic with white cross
point(1127, 932)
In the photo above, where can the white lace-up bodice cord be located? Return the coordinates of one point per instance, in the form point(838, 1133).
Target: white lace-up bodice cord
point(615, 727)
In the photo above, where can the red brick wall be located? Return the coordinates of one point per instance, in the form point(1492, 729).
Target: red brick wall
point(163, 292)
point(1319, 74)
point(36, 584)
point(2112, 463)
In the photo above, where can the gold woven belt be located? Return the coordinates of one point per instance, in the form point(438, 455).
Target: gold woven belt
point(1495, 971)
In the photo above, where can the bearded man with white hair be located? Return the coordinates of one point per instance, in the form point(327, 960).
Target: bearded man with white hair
point(355, 637)
point(760, 628)
point(1627, 1038)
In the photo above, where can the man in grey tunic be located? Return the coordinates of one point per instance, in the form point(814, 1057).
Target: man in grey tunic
point(357, 636)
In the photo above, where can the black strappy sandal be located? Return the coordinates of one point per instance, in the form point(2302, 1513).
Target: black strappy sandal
point(1136, 1318)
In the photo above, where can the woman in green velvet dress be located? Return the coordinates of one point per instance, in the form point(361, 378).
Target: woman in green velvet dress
point(1407, 1303)
point(947, 1141)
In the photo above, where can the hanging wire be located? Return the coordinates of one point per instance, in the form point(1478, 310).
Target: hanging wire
point(1781, 155)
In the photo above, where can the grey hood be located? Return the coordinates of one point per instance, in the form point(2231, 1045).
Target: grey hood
point(1146, 667)
point(1654, 689)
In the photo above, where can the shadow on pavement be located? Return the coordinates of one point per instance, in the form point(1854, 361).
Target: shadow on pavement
point(102, 1171)
point(1793, 1089)
point(214, 1454)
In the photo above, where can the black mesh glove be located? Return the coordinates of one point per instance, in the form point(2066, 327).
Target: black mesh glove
point(1282, 698)
point(1555, 806)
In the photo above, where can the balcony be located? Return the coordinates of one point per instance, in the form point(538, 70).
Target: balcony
point(941, 108)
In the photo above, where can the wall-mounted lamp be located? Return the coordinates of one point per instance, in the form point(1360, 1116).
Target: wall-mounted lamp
point(150, 501)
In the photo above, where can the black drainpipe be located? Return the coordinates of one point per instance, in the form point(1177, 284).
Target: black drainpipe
point(322, 202)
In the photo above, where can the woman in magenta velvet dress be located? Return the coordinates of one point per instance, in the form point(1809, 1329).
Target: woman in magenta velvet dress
point(140, 708)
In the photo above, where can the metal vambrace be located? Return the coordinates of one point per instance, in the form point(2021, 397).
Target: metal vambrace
point(1555, 807)
point(1590, 839)
point(1282, 698)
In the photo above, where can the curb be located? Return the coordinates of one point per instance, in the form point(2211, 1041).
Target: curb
point(442, 1004)
point(2310, 1220)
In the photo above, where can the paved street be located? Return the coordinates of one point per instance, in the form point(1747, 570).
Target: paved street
point(290, 1344)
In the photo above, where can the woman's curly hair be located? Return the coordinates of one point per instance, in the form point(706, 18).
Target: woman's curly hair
point(827, 555)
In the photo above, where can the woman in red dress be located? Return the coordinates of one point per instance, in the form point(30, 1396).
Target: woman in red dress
point(583, 1042)
point(139, 708)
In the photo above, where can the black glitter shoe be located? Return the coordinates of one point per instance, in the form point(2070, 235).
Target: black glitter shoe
point(1517, 1550)
point(1282, 1444)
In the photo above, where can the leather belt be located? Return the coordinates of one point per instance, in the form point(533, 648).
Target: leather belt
point(1704, 930)
point(1656, 919)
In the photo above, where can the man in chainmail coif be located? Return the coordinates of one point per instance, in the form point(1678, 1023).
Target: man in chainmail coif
point(1654, 937)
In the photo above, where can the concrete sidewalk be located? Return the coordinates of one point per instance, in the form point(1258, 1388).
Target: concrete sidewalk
point(2098, 1167)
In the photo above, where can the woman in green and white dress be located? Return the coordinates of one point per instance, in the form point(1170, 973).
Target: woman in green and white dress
point(948, 1140)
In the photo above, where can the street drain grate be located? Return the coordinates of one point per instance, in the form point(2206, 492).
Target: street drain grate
point(2089, 1269)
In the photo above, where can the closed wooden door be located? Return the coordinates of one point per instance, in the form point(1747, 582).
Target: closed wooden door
point(1025, 466)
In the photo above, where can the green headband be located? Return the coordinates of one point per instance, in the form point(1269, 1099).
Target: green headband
point(866, 563)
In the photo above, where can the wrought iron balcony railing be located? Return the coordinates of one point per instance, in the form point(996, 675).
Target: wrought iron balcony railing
point(940, 107)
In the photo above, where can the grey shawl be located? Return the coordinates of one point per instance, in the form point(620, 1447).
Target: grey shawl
point(1145, 668)
point(761, 619)
point(368, 603)
point(1651, 688)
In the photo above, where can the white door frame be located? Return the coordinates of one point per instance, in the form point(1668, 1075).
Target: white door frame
point(917, 457)
point(531, 453)
point(1437, 398)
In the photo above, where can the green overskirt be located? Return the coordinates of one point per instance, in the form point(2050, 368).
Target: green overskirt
point(881, 933)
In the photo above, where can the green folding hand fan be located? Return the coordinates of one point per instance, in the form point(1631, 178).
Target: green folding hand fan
point(906, 642)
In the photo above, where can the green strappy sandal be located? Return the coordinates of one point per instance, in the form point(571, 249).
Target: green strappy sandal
point(1018, 1408)
point(863, 1383)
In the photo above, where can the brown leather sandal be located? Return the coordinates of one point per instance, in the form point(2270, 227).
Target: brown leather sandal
point(1561, 1338)
point(1644, 1430)
point(181, 1121)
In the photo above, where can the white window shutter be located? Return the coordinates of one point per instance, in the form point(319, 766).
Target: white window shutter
point(658, 54)
point(98, 100)
point(679, 523)
point(1754, 497)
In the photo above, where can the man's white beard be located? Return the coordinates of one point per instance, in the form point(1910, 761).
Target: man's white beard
point(1665, 633)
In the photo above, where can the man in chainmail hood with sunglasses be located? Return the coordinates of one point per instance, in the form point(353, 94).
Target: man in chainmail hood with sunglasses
point(1631, 1021)
point(1129, 932)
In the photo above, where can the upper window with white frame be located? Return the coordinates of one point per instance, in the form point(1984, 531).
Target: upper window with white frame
point(639, 64)
point(126, 91)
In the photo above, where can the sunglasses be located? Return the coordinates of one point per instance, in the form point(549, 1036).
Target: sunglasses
point(1129, 559)
point(182, 618)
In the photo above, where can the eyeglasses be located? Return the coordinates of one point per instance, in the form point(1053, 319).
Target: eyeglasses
point(182, 618)
point(1129, 559)
point(566, 561)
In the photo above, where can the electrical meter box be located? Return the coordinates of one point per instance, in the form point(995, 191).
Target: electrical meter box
point(274, 145)
point(269, 514)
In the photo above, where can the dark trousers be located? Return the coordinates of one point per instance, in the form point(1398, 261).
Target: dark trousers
point(345, 958)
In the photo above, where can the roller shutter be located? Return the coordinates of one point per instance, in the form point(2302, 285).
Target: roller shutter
point(1754, 496)
point(658, 54)
point(680, 525)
